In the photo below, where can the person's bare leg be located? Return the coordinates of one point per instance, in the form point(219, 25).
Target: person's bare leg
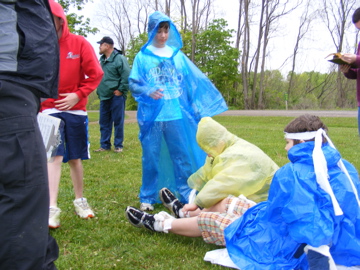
point(186, 227)
point(219, 207)
point(54, 174)
point(194, 213)
point(77, 176)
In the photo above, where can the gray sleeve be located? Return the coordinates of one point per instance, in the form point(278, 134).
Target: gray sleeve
point(9, 39)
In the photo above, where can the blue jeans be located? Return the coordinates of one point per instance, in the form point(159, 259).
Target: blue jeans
point(112, 112)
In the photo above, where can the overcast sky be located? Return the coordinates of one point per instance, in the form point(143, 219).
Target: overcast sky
point(311, 56)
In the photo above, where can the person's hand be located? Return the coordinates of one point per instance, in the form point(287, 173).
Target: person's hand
point(189, 207)
point(344, 68)
point(68, 102)
point(118, 93)
point(349, 57)
point(157, 94)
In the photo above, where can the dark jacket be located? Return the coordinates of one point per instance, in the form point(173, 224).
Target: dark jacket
point(116, 73)
point(29, 53)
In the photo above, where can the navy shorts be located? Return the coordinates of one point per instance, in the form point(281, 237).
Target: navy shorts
point(74, 136)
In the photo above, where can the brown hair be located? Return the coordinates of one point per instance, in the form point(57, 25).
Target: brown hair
point(303, 123)
point(165, 25)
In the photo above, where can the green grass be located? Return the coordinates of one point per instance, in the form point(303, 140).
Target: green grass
point(112, 182)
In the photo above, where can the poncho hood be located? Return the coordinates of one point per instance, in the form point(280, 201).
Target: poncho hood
point(58, 11)
point(303, 152)
point(212, 137)
point(174, 41)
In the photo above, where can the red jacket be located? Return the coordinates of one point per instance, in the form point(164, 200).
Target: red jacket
point(80, 71)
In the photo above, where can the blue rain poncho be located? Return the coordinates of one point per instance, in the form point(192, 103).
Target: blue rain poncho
point(168, 125)
point(298, 212)
point(234, 167)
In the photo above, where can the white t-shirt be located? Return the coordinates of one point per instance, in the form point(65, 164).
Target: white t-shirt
point(163, 52)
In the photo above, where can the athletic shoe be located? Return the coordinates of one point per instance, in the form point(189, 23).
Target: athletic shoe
point(118, 150)
point(146, 207)
point(139, 218)
point(171, 202)
point(54, 217)
point(101, 150)
point(82, 208)
point(142, 219)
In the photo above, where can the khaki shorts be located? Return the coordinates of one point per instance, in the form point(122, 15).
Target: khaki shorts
point(213, 224)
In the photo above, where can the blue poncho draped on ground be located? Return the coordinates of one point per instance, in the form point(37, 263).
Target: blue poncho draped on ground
point(168, 125)
point(298, 211)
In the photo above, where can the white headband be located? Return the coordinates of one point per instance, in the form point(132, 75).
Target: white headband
point(320, 165)
point(301, 135)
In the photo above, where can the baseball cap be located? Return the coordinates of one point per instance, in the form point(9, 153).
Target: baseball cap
point(107, 40)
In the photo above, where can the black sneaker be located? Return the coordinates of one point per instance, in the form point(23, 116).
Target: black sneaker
point(139, 218)
point(170, 201)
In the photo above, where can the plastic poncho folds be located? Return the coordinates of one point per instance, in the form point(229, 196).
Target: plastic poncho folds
point(234, 167)
point(271, 235)
point(168, 125)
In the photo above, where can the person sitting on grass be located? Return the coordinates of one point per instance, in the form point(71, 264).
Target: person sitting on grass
point(312, 209)
point(233, 167)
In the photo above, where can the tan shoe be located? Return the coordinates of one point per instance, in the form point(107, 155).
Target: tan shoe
point(101, 150)
point(118, 150)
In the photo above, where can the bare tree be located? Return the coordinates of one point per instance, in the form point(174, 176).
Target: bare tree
point(183, 15)
point(239, 33)
point(304, 26)
point(270, 13)
point(245, 54)
point(200, 16)
point(167, 7)
point(124, 20)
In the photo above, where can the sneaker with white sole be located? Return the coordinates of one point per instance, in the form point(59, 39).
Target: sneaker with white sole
point(170, 202)
point(146, 207)
point(82, 208)
point(141, 219)
point(54, 217)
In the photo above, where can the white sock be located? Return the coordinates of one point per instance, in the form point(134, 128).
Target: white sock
point(182, 215)
point(167, 225)
point(163, 222)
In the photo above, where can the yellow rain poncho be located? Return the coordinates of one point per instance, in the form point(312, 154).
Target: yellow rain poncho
point(234, 167)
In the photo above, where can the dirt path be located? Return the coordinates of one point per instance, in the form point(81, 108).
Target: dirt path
point(292, 113)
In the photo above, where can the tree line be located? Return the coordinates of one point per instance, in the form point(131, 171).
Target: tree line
point(236, 59)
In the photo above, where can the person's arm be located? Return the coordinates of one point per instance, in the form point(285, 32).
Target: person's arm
point(138, 83)
point(242, 169)
point(124, 71)
point(94, 73)
point(351, 73)
point(199, 178)
point(92, 69)
point(137, 79)
point(348, 72)
point(295, 201)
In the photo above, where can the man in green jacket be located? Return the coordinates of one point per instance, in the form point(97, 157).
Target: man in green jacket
point(112, 94)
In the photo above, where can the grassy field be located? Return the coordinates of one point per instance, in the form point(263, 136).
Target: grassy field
point(112, 182)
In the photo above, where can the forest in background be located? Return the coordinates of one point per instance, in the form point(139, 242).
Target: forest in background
point(236, 59)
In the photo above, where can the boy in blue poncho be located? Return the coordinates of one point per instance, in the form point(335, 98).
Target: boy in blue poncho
point(312, 211)
point(172, 95)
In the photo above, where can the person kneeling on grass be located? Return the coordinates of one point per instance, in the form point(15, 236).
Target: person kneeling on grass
point(313, 209)
point(233, 167)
